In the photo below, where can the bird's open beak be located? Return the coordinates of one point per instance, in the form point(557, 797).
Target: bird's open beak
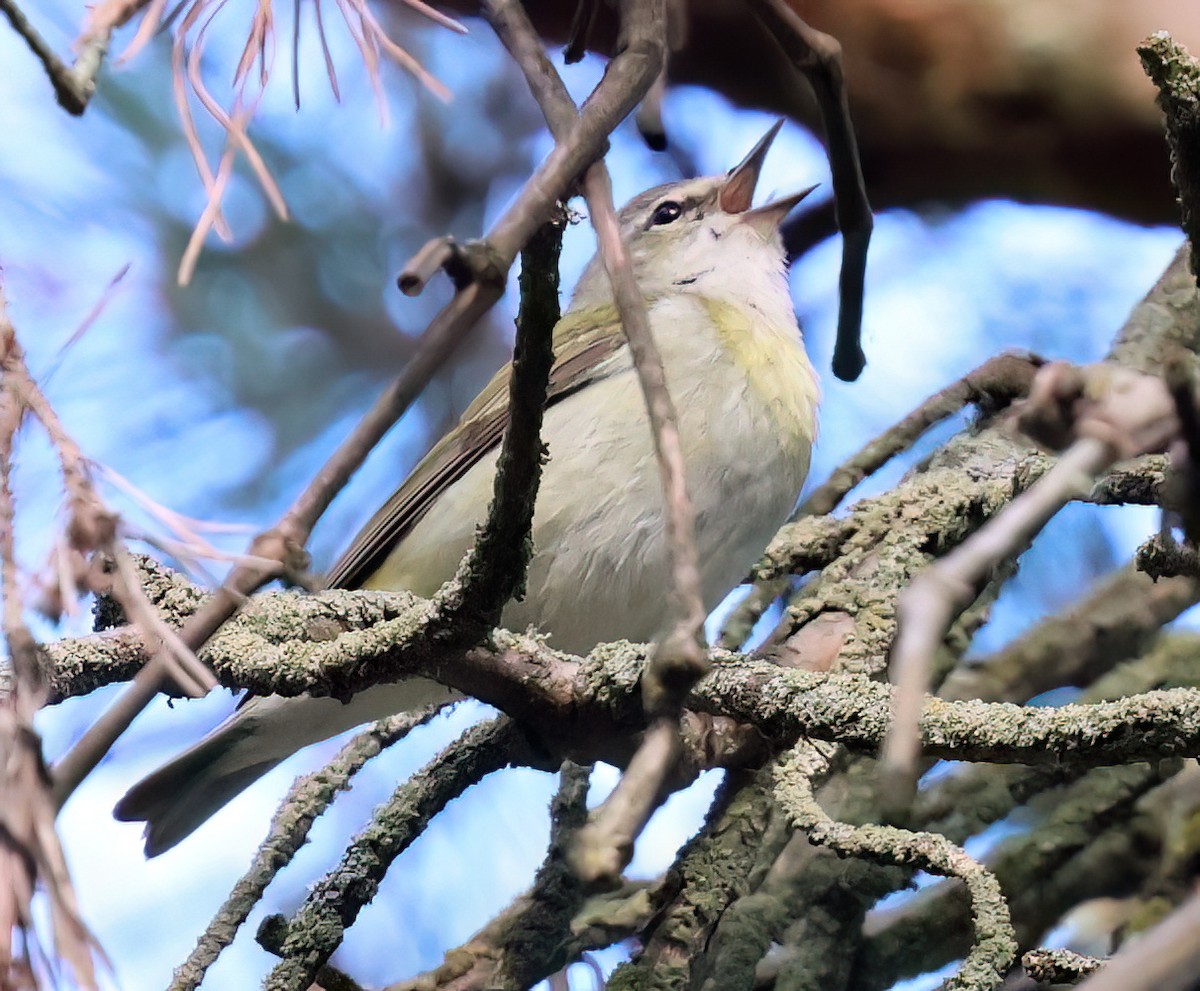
point(738, 192)
point(766, 218)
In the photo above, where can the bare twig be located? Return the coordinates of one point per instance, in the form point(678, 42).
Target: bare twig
point(650, 118)
point(605, 845)
point(580, 31)
point(440, 253)
point(714, 870)
point(75, 85)
point(189, 675)
point(679, 660)
point(818, 57)
point(927, 606)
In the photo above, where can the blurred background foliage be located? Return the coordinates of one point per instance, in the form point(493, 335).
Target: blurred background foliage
point(220, 398)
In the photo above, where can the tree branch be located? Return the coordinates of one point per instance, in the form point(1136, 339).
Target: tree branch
point(994, 946)
point(1177, 75)
point(1104, 413)
point(332, 905)
point(818, 57)
point(309, 796)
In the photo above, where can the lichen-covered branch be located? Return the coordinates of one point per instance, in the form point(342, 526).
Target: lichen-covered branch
point(1059, 966)
point(923, 934)
point(525, 943)
point(992, 386)
point(494, 569)
point(307, 799)
point(994, 944)
point(316, 930)
point(1103, 413)
point(1118, 619)
point(1161, 558)
point(1177, 75)
point(719, 865)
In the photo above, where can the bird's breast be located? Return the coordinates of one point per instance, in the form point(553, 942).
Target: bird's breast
point(601, 564)
point(746, 423)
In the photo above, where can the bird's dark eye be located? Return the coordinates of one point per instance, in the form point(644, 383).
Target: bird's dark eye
point(664, 213)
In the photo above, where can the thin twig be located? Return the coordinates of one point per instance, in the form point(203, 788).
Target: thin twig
point(926, 608)
point(190, 676)
point(604, 847)
point(679, 660)
point(425, 264)
point(1043, 872)
point(818, 57)
point(75, 85)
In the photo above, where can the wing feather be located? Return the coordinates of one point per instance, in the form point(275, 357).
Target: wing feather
point(586, 345)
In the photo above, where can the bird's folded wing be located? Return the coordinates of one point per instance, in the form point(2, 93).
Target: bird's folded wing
point(586, 344)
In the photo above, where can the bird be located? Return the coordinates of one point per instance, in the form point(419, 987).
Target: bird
point(712, 270)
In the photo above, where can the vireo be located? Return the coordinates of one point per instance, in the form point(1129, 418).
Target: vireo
point(712, 271)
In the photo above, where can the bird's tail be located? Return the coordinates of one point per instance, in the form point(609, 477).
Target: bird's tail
point(184, 793)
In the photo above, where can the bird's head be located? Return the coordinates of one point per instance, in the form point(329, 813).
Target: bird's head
point(696, 234)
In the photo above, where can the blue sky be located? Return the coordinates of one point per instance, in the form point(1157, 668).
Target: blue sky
point(197, 420)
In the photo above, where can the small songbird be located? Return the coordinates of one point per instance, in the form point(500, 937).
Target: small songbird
point(713, 274)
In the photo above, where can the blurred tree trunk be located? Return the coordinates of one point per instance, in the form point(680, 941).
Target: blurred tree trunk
point(955, 100)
